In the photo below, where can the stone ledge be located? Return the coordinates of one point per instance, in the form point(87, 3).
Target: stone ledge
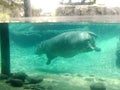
point(81, 10)
point(86, 18)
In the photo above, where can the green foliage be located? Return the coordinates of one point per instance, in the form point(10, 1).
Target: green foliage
point(12, 6)
point(4, 16)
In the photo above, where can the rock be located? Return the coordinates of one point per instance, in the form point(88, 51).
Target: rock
point(100, 79)
point(16, 82)
point(79, 10)
point(35, 87)
point(67, 74)
point(92, 75)
point(3, 76)
point(34, 80)
point(79, 75)
point(27, 86)
point(97, 86)
point(20, 75)
point(89, 79)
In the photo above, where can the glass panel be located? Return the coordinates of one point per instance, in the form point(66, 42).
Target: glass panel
point(65, 42)
point(64, 53)
point(25, 38)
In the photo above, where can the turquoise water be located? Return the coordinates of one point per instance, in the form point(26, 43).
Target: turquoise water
point(24, 38)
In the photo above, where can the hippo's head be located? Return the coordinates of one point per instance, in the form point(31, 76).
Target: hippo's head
point(90, 42)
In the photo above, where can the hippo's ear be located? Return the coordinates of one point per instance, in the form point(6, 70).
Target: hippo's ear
point(93, 34)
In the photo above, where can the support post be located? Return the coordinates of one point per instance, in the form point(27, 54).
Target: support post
point(5, 49)
point(27, 8)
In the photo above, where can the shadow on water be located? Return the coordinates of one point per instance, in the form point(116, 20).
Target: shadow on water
point(25, 40)
point(30, 40)
point(34, 33)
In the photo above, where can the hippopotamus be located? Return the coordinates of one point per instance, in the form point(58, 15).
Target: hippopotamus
point(68, 44)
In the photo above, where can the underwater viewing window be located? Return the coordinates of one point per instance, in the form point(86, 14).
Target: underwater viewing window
point(26, 35)
point(53, 45)
point(21, 31)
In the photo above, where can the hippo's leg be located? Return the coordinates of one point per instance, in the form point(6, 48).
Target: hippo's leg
point(50, 58)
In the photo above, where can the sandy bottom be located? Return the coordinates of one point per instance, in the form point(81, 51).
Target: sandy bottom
point(65, 82)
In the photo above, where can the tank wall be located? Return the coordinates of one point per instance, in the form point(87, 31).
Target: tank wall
point(25, 38)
